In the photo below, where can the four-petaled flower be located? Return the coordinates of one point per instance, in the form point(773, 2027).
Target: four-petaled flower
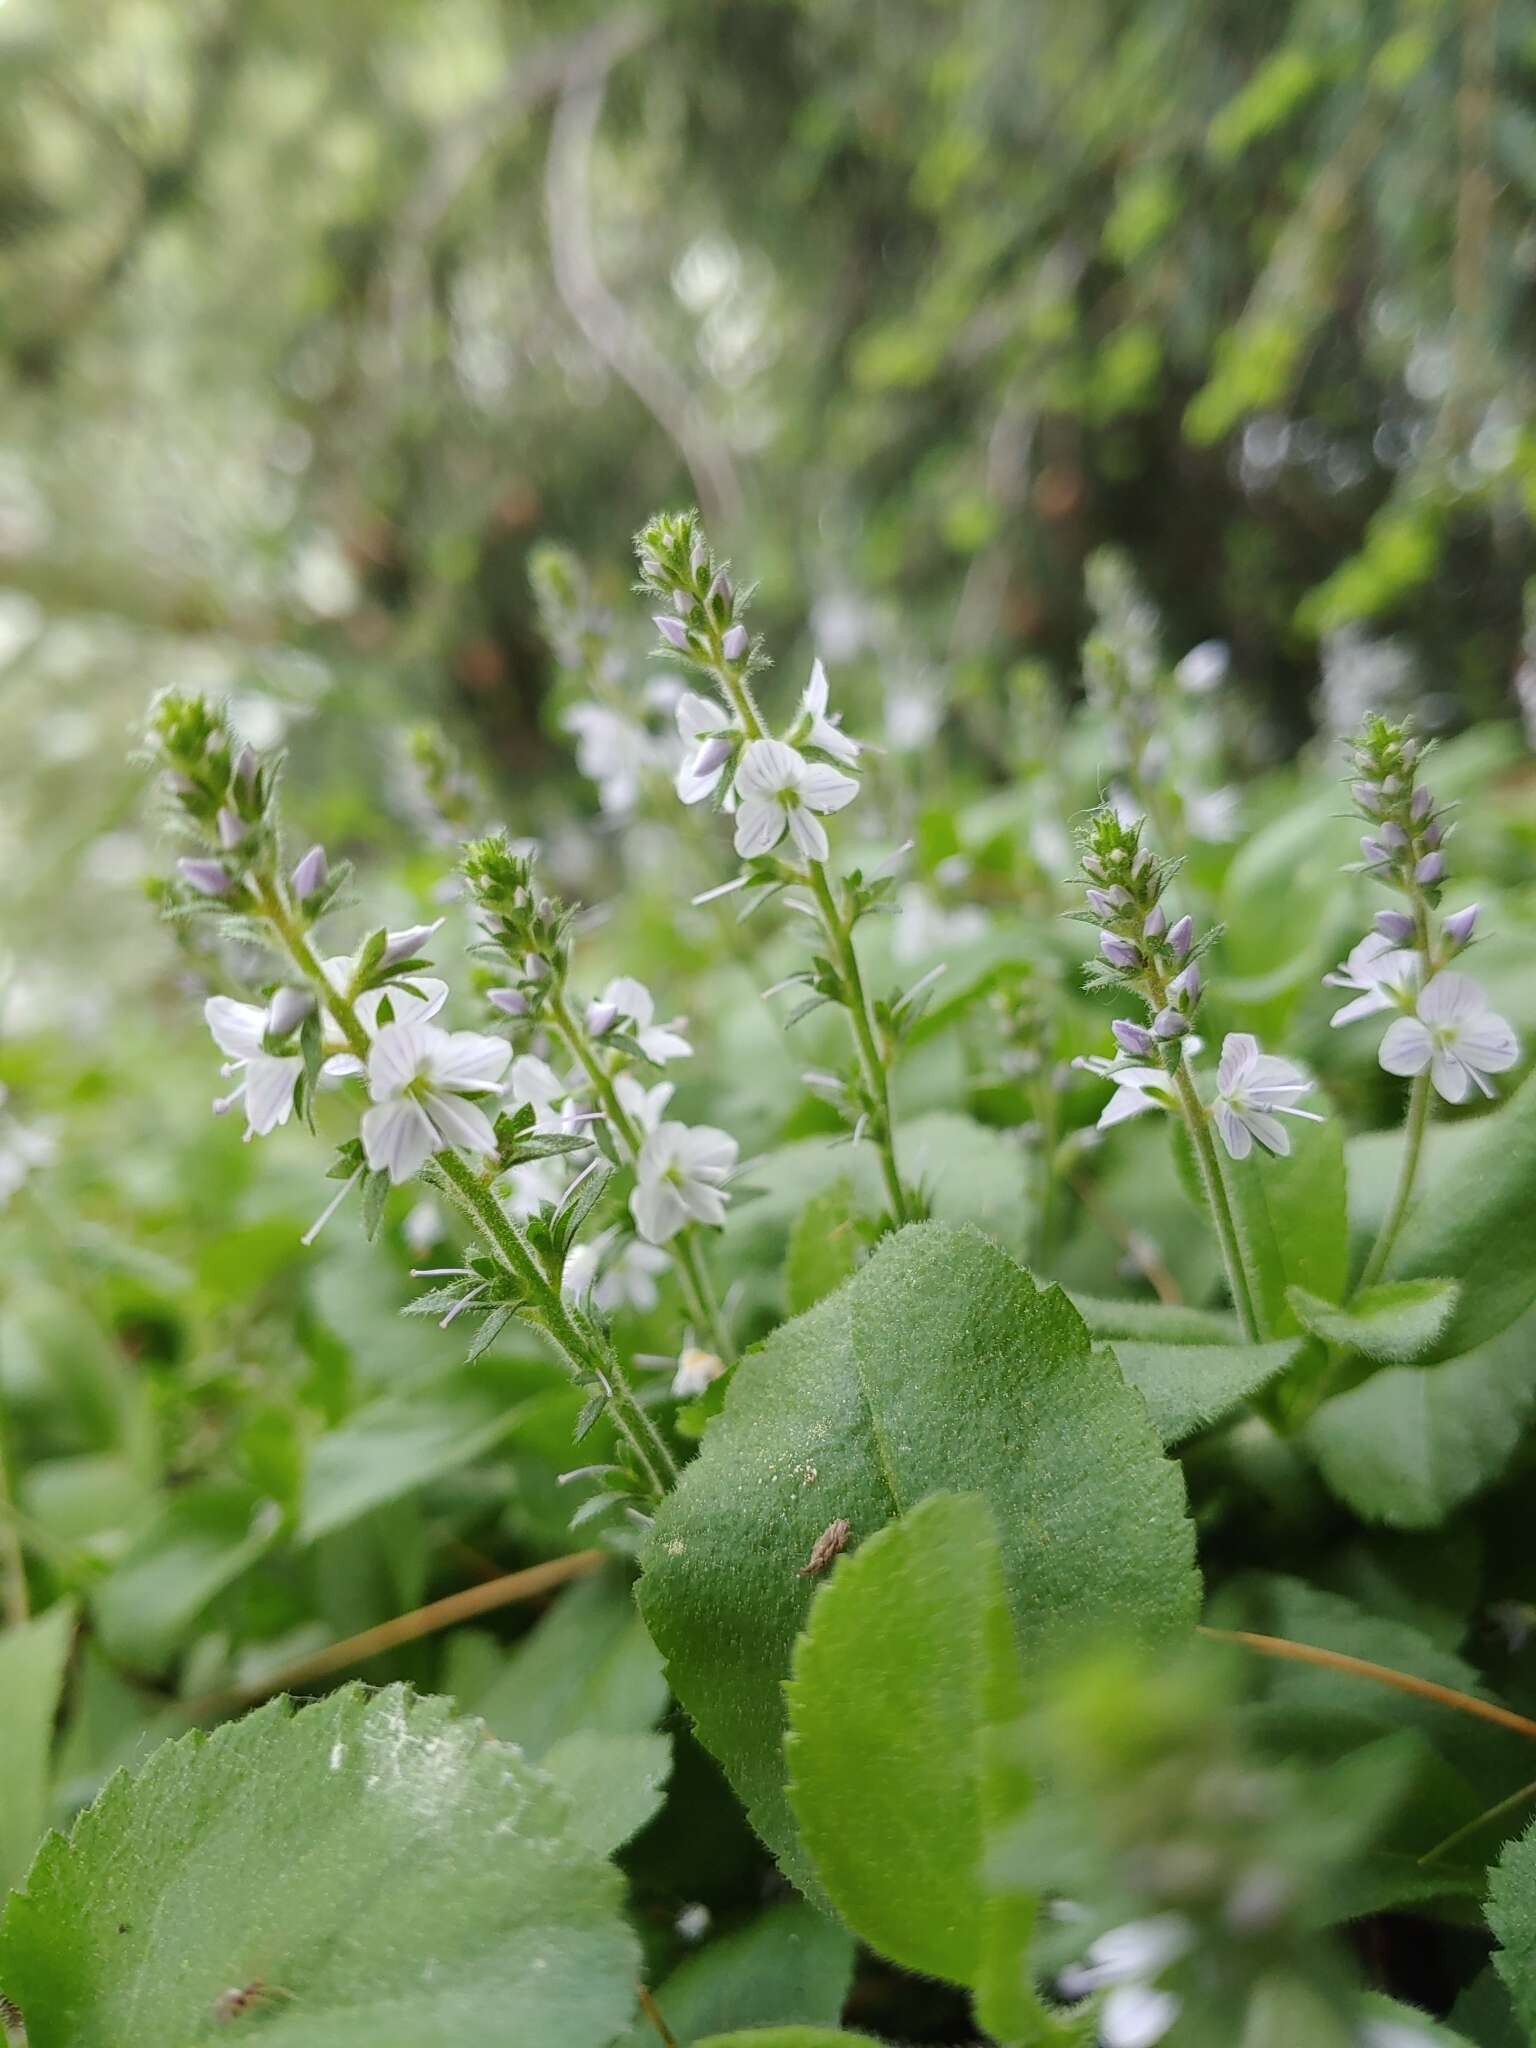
point(816, 728)
point(1383, 976)
point(611, 751)
point(1454, 1033)
point(268, 1079)
point(679, 1179)
point(535, 1081)
point(1125, 1963)
point(708, 734)
point(1137, 1089)
point(778, 790)
point(1254, 1090)
point(634, 1001)
point(625, 1278)
point(421, 1080)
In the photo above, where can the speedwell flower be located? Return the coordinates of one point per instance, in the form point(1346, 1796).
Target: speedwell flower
point(611, 751)
point(680, 1177)
point(1253, 1090)
point(421, 1080)
point(633, 1001)
point(708, 735)
point(268, 1079)
point(778, 790)
point(1382, 975)
point(816, 727)
point(1454, 1033)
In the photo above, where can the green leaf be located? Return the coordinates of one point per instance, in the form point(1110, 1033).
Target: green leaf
point(204, 1539)
point(824, 1247)
point(905, 1675)
point(399, 1443)
point(395, 1879)
point(615, 1783)
point(1396, 1321)
point(1474, 1221)
point(32, 1659)
point(1512, 1916)
point(1189, 1386)
point(789, 2037)
point(587, 1664)
point(939, 1366)
point(1293, 1216)
point(785, 1970)
point(1413, 1443)
point(1153, 1322)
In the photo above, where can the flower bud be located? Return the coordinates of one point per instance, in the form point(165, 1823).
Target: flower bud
point(719, 593)
point(1431, 836)
point(698, 557)
point(1181, 938)
point(1155, 923)
point(287, 1011)
point(1186, 987)
point(601, 1018)
point(1374, 852)
point(673, 631)
point(1423, 803)
point(1458, 927)
point(1117, 951)
point(231, 828)
point(682, 603)
point(1170, 1024)
point(207, 877)
point(1392, 835)
point(535, 967)
point(407, 944)
point(510, 1001)
point(1395, 925)
point(1092, 865)
point(310, 873)
point(713, 754)
point(1099, 903)
point(1132, 1038)
point(733, 644)
point(245, 769)
point(1430, 869)
point(1367, 795)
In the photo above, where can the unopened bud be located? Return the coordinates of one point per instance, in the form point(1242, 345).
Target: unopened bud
point(719, 592)
point(1181, 938)
point(1431, 869)
point(1431, 836)
point(698, 557)
point(287, 1011)
point(1458, 927)
point(1423, 802)
point(1132, 1038)
point(1156, 922)
point(510, 1001)
point(1367, 795)
point(713, 754)
point(1390, 833)
point(310, 873)
point(1186, 987)
point(1395, 925)
point(1099, 903)
point(1373, 851)
point(1170, 1024)
point(733, 644)
point(673, 631)
point(1117, 951)
point(682, 603)
point(245, 769)
point(601, 1018)
point(231, 828)
point(407, 944)
point(207, 877)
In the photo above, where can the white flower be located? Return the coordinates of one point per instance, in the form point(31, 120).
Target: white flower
point(926, 925)
point(1137, 1089)
point(679, 1179)
point(1204, 668)
point(625, 1278)
point(268, 1079)
point(23, 1147)
point(1137, 2016)
point(1384, 977)
point(707, 730)
point(1453, 1033)
point(611, 751)
point(525, 1189)
point(780, 790)
point(421, 1080)
point(1214, 815)
point(415, 1001)
point(815, 728)
point(1253, 1090)
point(535, 1081)
point(644, 1106)
point(633, 1000)
point(1125, 1962)
point(696, 1371)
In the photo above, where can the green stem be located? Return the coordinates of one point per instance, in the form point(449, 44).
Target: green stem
point(547, 1305)
point(1407, 1174)
point(873, 1067)
point(684, 1250)
point(1218, 1199)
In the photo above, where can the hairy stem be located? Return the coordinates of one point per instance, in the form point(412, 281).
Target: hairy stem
point(1218, 1200)
point(1407, 1175)
point(685, 1249)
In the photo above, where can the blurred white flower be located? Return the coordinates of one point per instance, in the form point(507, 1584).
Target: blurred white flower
point(1253, 1090)
point(815, 728)
point(424, 1227)
point(1384, 977)
point(421, 1080)
point(779, 791)
point(680, 1178)
point(926, 925)
point(535, 1081)
point(267, 1079)
point(1204, 668)
point(1137, 1089)
point(708, 736)
point(635, 1004)
point(1453, 1033)
point(644, 1106)
point(622, 1277)
point(1214, 815)
point(696, 1371)
point(611, 751)
point(23, 1148)
point(1125, 1962)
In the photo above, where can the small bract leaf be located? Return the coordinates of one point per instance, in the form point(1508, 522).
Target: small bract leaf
point(1189, 1386)
point(1396, 1321)
point(369, 1871)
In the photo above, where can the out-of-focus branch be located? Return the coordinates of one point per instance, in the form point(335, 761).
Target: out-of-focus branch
point(604, 323)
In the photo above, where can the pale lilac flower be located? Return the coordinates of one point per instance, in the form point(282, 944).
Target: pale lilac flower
point(600, 1018)
point(680, 1178)
point(416, 1001)
point(1459, 926)
point(733, 642)
point(632, 1000)
point(1131, 1038)
point(1137, 2016)
point(779, 791)
point(696, 1372)
point(1253, 1090)
point(816, 728)
point(406, 944)
point(422, 1081)
point(709, 736)
point(611, 751)
point(1137, 1089)
point(673, 631)
point(268, 1080)
point(311, 872)
point(1383, 976)
point(1454, 1033)
point(207, 877)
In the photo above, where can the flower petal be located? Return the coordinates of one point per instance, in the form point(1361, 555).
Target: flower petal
point(461, 1122)
point(698, 717)
point(658, 1210)
point(238, 1028)
point(1124, 1104)
point(826, 788)
point(815, 698)
point(398, 1138)
point(1450, 998)
point(759, 825)
point(1489, 1045)
point(1363, 1006)
point(1239, 1050)
point(630, 998)
point(1406, 1047)
point(269, 1086)
point(1235, 1134)
point(704, 1149)
point(767, 766)
point(468, 1061)
point(808, 833)
point(660, 1044)
point(1452, 1079)
point(398, 1055)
